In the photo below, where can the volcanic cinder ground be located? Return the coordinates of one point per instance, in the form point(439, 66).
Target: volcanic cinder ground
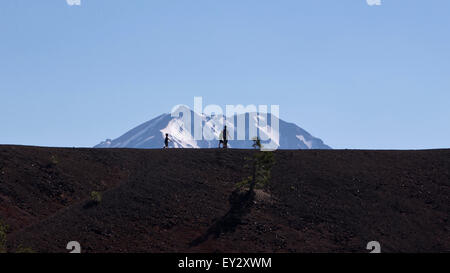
point(178, 200)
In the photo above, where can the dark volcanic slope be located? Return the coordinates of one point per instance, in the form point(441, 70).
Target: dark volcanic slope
point(171, 200)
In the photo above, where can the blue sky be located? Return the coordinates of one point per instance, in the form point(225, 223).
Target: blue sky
point(354, 75)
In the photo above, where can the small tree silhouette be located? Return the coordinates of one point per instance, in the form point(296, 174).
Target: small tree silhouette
point(261, 164)
point(241, 202)
point(256, 143)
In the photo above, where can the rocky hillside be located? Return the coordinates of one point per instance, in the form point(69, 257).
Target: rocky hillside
point(179, 200)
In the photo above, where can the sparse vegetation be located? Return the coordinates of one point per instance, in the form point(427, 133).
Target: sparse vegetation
point(96, 197)
point(54, 160)
point(3, 230)
point(241, 202)
point(22, 249)
point(261, 164)
point(257, 143)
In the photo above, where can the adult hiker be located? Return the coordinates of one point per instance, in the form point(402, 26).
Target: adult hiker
point(223, 138)
point(166, 141)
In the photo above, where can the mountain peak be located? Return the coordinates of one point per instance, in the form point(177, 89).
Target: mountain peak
point(151, 133)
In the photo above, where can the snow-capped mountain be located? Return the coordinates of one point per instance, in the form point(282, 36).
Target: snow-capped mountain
point(151, 133)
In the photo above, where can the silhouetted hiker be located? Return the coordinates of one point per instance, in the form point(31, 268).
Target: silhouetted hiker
point(166, 141)
point(223, 138)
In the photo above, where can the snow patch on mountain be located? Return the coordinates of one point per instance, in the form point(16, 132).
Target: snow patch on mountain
point(307, 143)
point(178, 134)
